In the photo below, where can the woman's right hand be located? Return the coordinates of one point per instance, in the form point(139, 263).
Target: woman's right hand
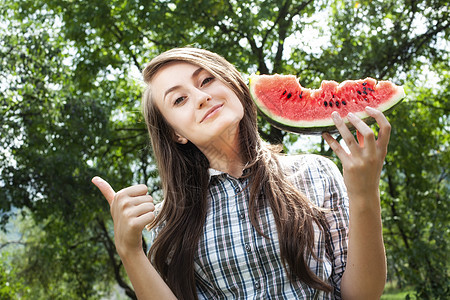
point(131, 209)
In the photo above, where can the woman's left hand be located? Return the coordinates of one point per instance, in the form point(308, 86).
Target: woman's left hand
point(362, 166)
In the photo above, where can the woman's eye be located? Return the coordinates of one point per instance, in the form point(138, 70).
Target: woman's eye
point(206, 80)
point(179, 100)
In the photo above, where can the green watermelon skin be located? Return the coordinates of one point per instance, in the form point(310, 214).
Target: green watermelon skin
point(291, 107)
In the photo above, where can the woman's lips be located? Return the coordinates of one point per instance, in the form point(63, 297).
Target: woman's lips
point(211, 111)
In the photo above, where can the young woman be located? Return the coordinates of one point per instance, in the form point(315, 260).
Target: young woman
point(238, 220)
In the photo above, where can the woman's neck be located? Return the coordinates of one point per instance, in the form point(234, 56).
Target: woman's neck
point(224, 154)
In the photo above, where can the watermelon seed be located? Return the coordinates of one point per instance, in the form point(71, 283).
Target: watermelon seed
point(359, 92)
point(371, 90)
point(364, 88)
point(364, 83)
point(331, 103)
point(344, 103)
point(366, 99)
point(325, 103)
point(337, 103)
point(333, 95)
point(284, 92)
point(365, 92)
point(289, 95)
point(301, 95)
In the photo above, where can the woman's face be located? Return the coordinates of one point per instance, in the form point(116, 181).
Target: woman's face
point(199, 107)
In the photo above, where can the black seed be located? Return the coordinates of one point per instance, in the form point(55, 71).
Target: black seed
point(365, 93)
point(331, 103)
point(300, 96)
point(284, 93)
point(364, 83)
point(344, 103)
point(364, 88)
point(371, 90)
point(333, 95)
point(358, 92)
point(366, 99)
point(337, 103)
point(325, 103)
point(289, 95)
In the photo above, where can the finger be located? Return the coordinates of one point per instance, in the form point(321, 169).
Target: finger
point(335, 146)
point(138, 200)
point(105, 188)
point(385, 127)
point(143, 208)
point(145, 219)
point(133, 191)
point(347, 136)
point(364, 130)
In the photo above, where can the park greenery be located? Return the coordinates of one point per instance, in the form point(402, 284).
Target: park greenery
point(70, 93)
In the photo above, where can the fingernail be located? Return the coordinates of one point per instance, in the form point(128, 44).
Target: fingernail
point(370, 108)
point(351, 115)
point(335, 115)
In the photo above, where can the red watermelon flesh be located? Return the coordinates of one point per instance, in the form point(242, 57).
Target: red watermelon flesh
point(291, 107)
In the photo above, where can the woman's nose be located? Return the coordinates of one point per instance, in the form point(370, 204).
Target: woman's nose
point(202, 98)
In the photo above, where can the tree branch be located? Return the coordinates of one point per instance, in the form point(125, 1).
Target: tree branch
point(12, 243)
point(301, 7)
point(130, 129)
point(283, 26)
point(111, 249)
point(394, 194)
point(262, 67)
point(411, 47)
point(127, 138)
point(279, 17)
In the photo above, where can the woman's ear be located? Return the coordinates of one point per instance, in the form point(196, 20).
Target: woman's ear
point(180, 140)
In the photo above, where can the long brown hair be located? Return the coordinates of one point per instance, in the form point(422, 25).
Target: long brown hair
point(184, 174)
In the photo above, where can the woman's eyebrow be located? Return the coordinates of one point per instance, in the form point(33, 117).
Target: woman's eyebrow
point(196, 72)
point(171, 89)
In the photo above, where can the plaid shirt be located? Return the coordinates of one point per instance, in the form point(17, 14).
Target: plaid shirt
point(234, 262)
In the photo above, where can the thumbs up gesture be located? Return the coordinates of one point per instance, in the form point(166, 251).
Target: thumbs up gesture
point(131, 209)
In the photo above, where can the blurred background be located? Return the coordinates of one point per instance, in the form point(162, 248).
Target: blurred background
point(70, 89)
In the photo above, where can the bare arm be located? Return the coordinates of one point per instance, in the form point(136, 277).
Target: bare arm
point(131, 210)
point(365, 273)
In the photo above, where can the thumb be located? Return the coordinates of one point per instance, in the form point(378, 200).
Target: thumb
point(105, 188)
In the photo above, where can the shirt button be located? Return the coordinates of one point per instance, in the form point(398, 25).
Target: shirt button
point(248, 248)
point(238, 189)
point(242, 216)
point(257, 286)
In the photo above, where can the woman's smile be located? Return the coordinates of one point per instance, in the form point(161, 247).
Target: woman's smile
point(212, 112)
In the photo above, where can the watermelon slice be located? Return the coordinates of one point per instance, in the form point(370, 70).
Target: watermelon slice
point(291, 107)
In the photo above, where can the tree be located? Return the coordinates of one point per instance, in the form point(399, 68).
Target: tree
point(415, 192)
point(70, 110)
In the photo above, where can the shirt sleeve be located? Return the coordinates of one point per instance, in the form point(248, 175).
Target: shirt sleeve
point(337, 215)
point(153, 232)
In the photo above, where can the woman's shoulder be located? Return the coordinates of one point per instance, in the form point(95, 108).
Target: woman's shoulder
point(318, 177)
point(307, 163)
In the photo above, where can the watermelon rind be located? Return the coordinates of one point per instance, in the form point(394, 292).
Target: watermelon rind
point(324, 125)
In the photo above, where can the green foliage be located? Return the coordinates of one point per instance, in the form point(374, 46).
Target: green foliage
point(9, 287)
point(415, 192)
point(69, 110)
point(392, 292)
